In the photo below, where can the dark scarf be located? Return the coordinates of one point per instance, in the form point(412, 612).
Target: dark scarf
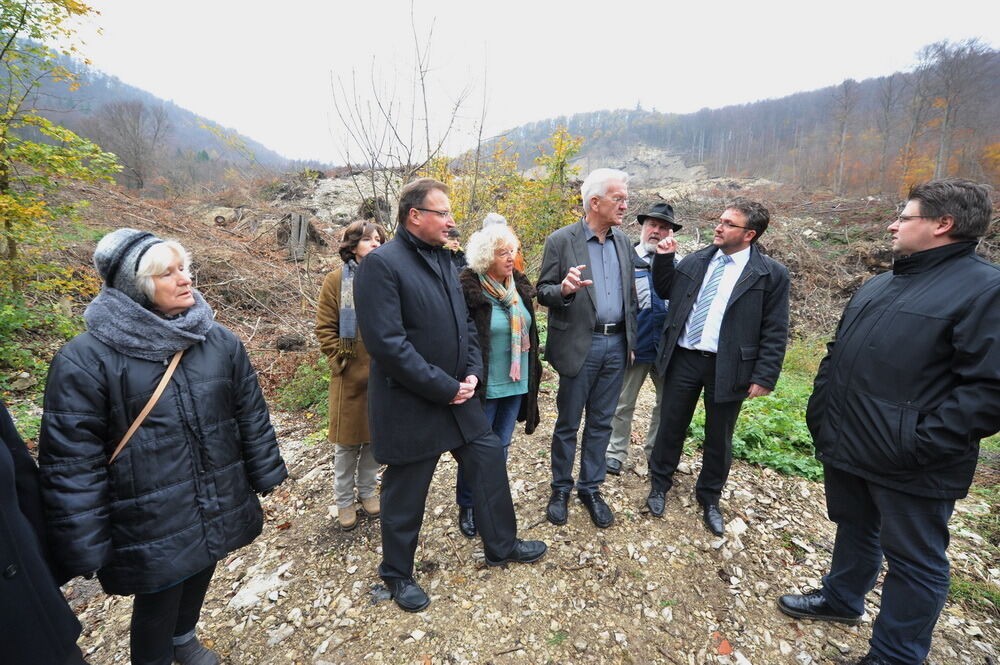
point(131, 329)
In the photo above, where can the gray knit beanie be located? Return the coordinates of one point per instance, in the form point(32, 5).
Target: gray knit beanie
point(117, 260)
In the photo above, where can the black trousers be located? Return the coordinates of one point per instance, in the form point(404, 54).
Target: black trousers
point(912, 532)
point(158, 617)
point(688, 373)
point(404, 495)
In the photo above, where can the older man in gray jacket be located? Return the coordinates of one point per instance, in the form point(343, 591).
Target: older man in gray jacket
point(586, 282)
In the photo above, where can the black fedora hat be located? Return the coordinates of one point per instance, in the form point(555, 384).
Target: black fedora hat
point(663, 211)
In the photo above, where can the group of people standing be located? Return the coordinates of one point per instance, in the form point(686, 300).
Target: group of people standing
point(156, 441)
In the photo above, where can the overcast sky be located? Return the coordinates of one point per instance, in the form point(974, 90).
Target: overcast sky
point(265, 68)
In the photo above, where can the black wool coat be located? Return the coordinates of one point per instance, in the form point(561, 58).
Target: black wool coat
point(422, 342)
point(481, 309)
point(181, 495)
point(36, 624)
point(911, 382)
point(754, 330)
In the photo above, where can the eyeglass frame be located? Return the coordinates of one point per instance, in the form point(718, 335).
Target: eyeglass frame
point(901, 219)
point(444, 214)
point(729, 225)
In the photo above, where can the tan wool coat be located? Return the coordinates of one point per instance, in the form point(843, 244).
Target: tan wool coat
point(348, 382)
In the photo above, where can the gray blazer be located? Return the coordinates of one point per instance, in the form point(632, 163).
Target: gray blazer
point(572, 319)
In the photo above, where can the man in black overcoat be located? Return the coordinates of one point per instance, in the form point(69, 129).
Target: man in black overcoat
point(909, 386)
point(425, 367)
point(36, 624)
point(725, 334)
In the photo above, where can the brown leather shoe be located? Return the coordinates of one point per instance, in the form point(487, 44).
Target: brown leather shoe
point(347, 518)
point(371, 505)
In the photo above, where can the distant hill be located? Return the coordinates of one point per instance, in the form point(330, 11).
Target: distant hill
point(942, 118)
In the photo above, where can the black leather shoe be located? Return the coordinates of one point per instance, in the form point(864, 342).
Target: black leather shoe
point(713, 519)
point(525, 551)
point(467, 522)
point(557, 510)
point(872, 659)
point(656, 501)
point(600, 513)
point(408, 594)
point(614, 466)
point(812, 605)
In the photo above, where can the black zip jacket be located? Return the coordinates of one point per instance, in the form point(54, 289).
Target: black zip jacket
point(911, 383)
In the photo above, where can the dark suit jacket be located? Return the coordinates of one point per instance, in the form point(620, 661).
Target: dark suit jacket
point(37, 624)
point(422, 342)
point(754, 328)
point(572, 320)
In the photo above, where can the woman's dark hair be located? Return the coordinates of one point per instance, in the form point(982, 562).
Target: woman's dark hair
point(353, 234)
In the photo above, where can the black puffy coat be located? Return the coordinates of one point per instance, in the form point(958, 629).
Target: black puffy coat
point(180, 496)
point(911, 383)
point(481, 309)
point(36, 624)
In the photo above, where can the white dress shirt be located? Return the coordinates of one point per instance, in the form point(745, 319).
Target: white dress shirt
point(713, 323)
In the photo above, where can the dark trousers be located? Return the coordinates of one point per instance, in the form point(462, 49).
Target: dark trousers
point(404, 494)
point(502, 416)
point(159, 617)
point(595, 389)
point(912, 533)
point(687, 374)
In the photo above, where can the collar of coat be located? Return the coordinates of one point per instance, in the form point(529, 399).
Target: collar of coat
point(927, 259)
point(473, 290)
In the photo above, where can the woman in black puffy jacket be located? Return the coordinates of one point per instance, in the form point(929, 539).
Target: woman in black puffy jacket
point(182, 492)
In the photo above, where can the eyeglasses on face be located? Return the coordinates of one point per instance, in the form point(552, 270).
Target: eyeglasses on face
point(504, 253)
point(905, 218)
point(444, 214)
point(725, 223)
point(618, 200)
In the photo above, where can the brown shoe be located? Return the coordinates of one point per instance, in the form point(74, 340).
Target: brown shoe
point(347, 518)
point(370, 504)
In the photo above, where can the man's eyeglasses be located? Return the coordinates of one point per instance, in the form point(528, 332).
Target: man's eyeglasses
point(905, 218)
point(445, 214)
point(618, 200)
point(729, 225)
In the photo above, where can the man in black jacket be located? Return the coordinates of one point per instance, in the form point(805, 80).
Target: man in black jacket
point(726, 331)
point(425, 367)
point(908, 387)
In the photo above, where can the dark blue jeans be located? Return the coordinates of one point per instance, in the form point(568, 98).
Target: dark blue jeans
point(912, 533)
point(595, 389)
point(502, 414)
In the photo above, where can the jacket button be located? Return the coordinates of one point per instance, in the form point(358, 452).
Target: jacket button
point(10, 571)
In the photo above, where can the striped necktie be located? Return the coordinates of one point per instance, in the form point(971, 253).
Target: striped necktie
point(696, 324)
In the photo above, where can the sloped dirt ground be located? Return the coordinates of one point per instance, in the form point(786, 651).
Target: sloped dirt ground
point(643, 591)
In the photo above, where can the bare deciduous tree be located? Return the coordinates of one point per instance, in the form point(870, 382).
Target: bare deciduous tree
point(135, 132)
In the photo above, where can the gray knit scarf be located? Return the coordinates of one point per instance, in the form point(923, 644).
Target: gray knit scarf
point(131, 329)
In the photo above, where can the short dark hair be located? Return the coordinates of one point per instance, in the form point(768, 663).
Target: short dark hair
point(757, 215)
point(413, 196)
point(353, 234)
point(967, 202)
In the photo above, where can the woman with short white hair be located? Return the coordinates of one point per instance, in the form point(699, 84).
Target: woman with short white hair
point(499, 299)
point(155, 441)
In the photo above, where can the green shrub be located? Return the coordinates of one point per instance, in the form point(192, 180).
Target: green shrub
point(29, 333)
point(308, 388)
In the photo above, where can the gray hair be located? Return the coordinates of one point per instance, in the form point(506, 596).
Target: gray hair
point(479, 251)
point(494, 218)
point(156, 261)
point(597, 183)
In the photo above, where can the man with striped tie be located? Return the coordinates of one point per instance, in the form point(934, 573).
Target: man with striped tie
point(726, 331)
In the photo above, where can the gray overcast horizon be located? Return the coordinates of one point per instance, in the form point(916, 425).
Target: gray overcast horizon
point(267, 69)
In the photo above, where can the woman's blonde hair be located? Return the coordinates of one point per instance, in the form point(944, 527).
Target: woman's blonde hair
point(156, 261)
point(482, 246)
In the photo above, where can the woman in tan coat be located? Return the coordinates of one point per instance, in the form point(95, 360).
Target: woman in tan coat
point(340, 340)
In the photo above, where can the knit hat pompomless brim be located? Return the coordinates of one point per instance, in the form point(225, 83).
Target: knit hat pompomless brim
point(117, 260)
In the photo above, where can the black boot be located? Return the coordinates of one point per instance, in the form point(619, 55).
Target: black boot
point(467, 521)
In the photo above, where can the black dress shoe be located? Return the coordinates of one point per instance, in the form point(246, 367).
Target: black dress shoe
point(525, 551)
point(656, 501)
point(556, 511)
point(408, 594)
point(467, 522)
point(872, 659)
point(813, 605)
point(713, 519)
point(614, 466)
point(599, 511)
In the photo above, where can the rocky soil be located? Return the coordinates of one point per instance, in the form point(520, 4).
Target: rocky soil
point(643, 591)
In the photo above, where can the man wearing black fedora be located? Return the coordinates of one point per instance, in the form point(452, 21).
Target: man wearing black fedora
point(657, 223)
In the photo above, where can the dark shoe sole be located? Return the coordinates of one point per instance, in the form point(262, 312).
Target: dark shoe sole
point(850, 621)
point(506, 561)
point(412, 609)
point(466, 533)
point(614, 472)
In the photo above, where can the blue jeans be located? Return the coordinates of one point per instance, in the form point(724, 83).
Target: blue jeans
point(912, 533)
point(596, 388)
point(502, 414)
